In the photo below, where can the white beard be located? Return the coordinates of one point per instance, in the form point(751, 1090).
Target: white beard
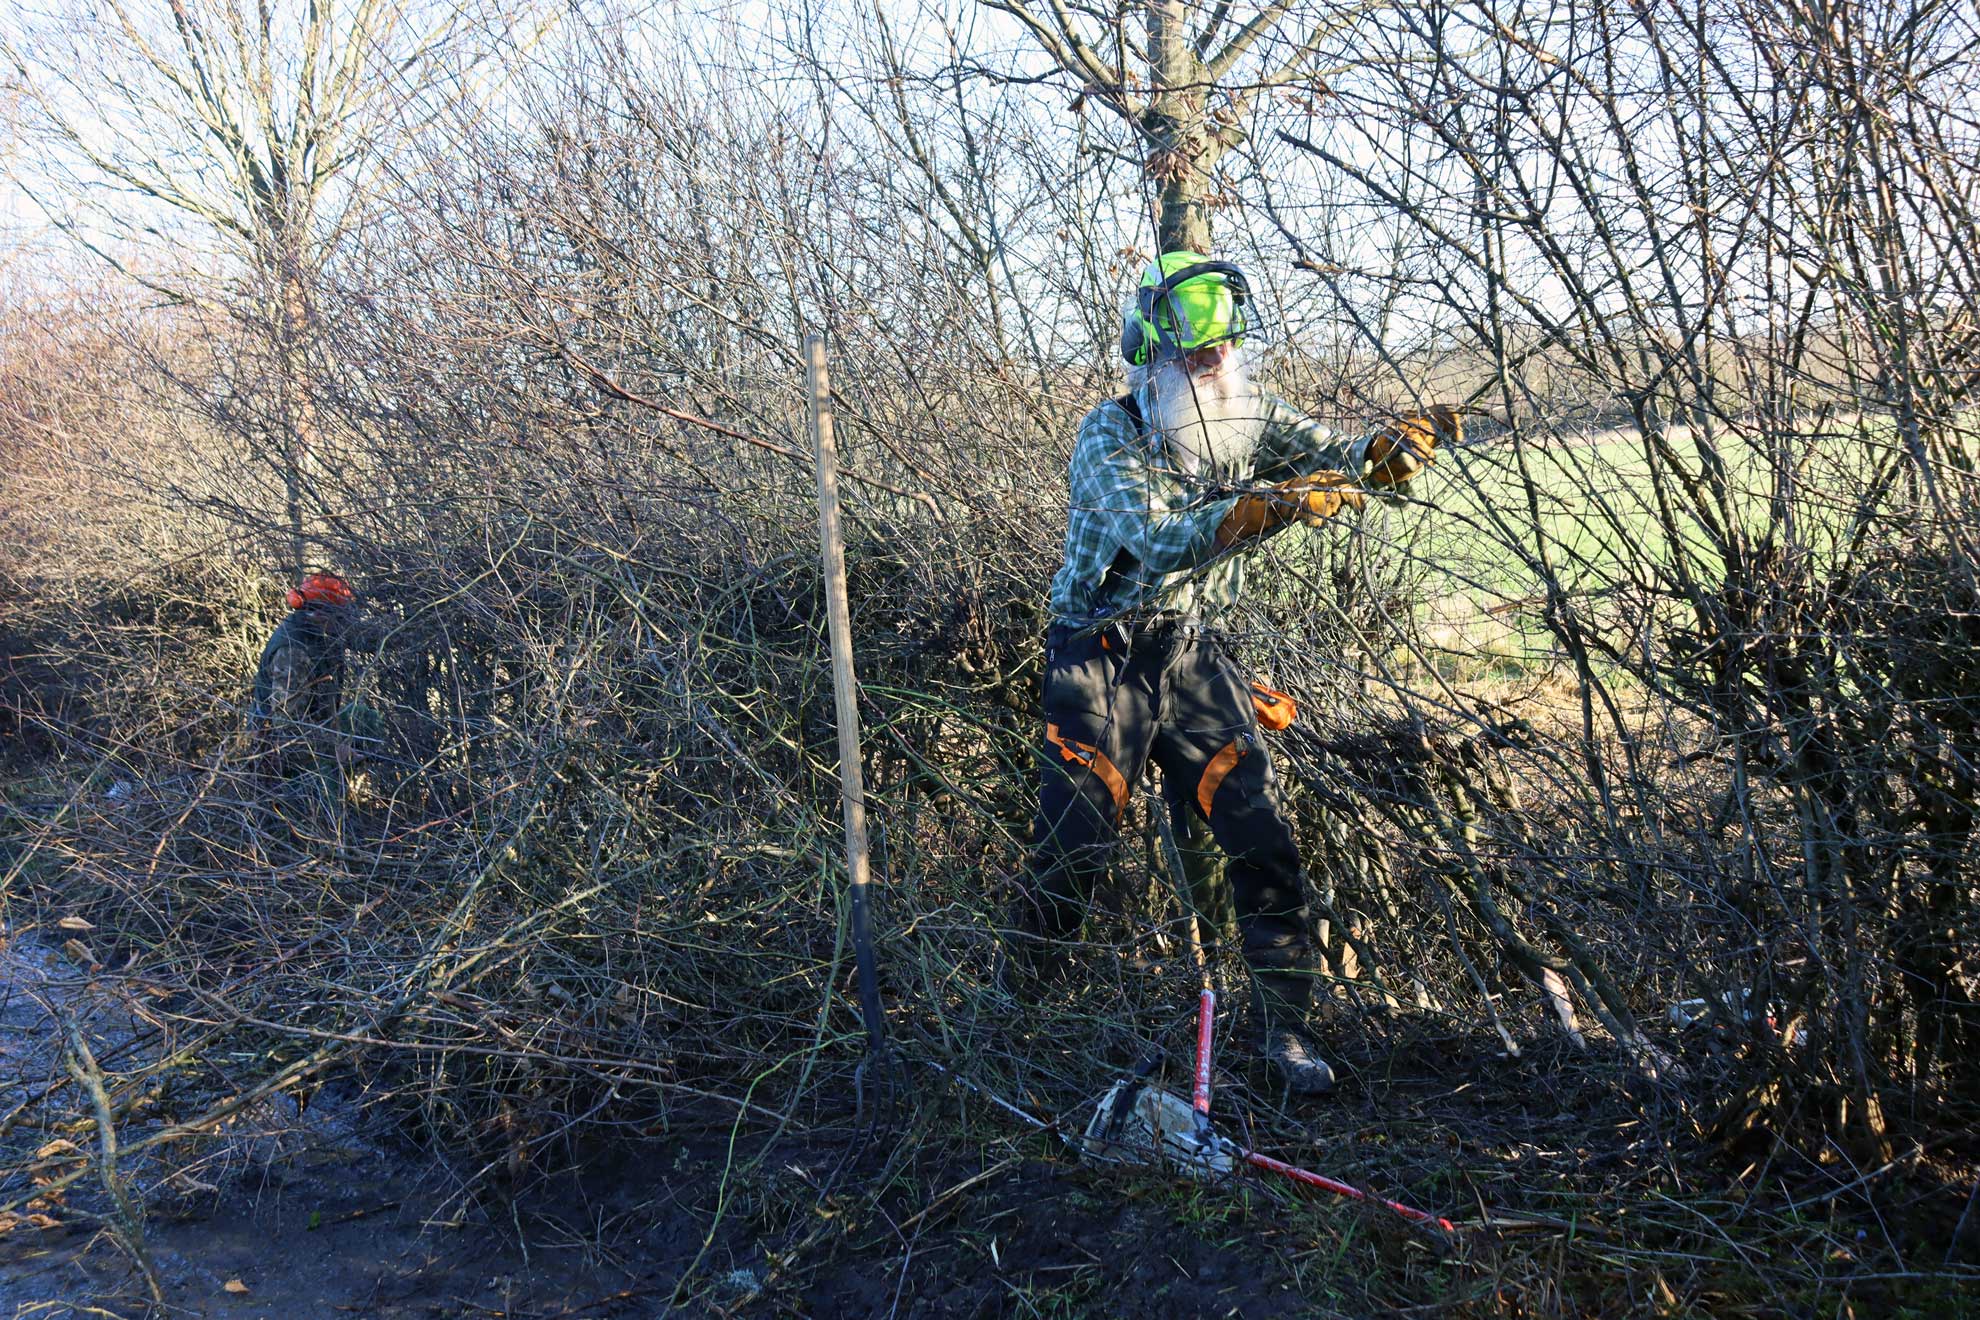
point(1211, 422)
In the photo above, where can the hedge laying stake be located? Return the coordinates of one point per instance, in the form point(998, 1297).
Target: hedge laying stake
point(845, 691)
point(1135, 1123)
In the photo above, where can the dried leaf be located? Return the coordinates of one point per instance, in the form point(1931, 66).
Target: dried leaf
point(74, 923)
point(235, 1286)
point(80, 952)
point(59, 1146)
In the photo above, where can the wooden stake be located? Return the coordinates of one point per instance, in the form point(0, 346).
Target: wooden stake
point(845, 693)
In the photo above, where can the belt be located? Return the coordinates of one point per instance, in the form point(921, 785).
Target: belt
point(1168, 623)
point(1165, 626)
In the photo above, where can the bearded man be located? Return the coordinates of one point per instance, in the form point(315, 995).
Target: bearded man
point(1171, 483)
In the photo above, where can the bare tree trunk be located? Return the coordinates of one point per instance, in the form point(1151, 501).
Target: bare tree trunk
point(298, 436)
point(1181, 149)
point(1183, 136)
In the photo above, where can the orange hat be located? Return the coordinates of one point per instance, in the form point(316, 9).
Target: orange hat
point(321, 589)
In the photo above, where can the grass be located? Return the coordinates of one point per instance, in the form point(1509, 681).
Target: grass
point(1590, 502)
point(1464, 545)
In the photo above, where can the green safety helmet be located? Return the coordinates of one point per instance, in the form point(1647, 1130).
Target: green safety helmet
point(1186, 302)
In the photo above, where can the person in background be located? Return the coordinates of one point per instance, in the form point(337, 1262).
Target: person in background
point(296, 711)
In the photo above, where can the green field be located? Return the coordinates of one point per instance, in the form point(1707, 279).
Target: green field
point(1474, 540)
point(1590, 505)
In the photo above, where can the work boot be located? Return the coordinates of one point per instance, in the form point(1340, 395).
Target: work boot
point(1030, 964)
point(1300, 1066)
point(1278, 1001)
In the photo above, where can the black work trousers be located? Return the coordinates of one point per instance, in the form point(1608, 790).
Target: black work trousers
point(1168, 691)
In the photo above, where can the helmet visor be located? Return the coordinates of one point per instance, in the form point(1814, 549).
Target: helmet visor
point(1197, 314)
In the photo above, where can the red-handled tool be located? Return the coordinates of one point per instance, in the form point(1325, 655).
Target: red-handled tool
point(1135, 1122)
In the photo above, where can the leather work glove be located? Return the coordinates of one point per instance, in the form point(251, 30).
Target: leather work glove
point(1398, 452)
point(1309, 499)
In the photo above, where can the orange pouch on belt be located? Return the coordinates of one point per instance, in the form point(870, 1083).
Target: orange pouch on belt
point(1275, 709)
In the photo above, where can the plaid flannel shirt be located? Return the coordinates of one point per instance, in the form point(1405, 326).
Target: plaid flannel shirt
point(1139, 526)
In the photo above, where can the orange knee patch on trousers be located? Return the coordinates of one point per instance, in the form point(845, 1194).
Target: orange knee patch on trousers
point(1093, 759)
point(1220, 765)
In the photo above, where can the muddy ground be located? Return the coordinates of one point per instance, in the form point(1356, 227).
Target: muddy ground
point(950, 1208)
point(332, 1210)
point(317, 1240)
point(332, 1235)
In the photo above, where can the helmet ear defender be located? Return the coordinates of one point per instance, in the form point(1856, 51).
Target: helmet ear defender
point(1137, 345)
